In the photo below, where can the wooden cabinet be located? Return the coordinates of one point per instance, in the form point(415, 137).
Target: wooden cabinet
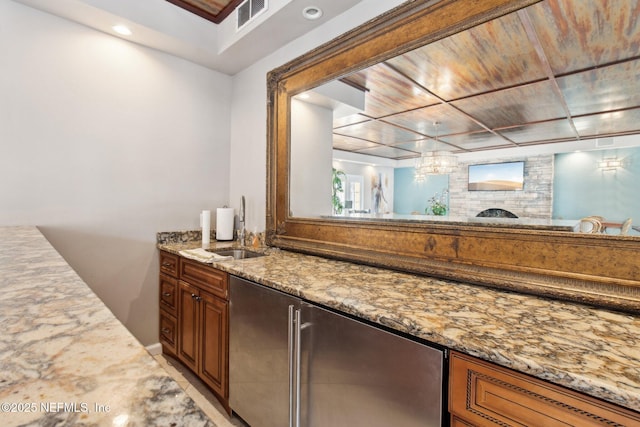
point(189, 322)
point(202, 335)
point(205, 277)
point(484, 394)
point(168, 331)
point(168, 294)
point(168, 301)
point(194, 319)
point(457, 422)
point(169, 264)
point(213, 342)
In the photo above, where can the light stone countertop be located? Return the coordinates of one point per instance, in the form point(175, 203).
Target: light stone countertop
point(591, 350)
point(64, 357)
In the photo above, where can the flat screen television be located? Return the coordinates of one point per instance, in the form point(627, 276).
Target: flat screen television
point(507, 176)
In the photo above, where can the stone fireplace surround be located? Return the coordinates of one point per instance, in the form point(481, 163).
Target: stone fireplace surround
point(534, 201)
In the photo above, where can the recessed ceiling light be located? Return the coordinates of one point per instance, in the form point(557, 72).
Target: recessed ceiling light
point(123, 30)
point(312, 13)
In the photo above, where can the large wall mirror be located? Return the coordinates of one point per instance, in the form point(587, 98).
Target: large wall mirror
point(497, 144)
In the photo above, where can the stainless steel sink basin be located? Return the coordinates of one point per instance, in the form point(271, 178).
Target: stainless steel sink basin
point(236, 253)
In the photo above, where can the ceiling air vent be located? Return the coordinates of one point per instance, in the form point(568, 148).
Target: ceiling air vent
point(248, 10)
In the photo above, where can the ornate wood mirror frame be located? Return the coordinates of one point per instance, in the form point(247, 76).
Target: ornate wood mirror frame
point(599, 270)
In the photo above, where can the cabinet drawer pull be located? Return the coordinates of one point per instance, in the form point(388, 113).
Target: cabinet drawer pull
point(194, 296)
point(166, 294)
point(167, 264)
point(166, 330)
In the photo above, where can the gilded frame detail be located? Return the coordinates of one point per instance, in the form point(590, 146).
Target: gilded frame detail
point(603, 271)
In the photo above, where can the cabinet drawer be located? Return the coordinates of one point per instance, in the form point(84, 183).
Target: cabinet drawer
point(168, 329)
point(168, 294)
point(208, 278)
point(169, 263)
point(484, 394)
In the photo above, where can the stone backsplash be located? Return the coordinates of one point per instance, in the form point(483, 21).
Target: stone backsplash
point(169, 237)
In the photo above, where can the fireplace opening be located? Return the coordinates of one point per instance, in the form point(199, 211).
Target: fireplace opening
point(496, 213)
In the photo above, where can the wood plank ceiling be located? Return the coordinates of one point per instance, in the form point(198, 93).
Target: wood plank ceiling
point(212, 10)
point(560, 70)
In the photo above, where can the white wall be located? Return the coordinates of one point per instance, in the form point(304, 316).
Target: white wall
point(249, 112)
point(311, 155)
point(103, 143)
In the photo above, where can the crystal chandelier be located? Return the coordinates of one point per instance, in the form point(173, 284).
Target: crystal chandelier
point(435, 162)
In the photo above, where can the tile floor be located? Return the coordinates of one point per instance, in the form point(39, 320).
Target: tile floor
point(196, 389)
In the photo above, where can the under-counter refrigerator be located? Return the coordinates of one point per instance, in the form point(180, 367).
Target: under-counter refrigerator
point(296, 364)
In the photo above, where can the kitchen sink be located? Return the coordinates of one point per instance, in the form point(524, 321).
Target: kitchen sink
point(236, 253)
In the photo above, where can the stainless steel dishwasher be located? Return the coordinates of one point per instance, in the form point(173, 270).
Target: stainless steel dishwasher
point(296, 364)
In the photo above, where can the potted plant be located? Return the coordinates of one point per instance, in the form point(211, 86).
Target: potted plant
point(338, 177)
point(438, 204)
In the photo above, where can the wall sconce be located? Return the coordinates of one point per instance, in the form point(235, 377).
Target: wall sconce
point(610, 164)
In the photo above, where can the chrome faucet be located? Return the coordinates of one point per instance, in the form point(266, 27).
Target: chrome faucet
point(241, 220)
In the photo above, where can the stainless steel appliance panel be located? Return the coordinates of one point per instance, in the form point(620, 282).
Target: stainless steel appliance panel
point(259, 353)
point(296, 364)
point(354, 374)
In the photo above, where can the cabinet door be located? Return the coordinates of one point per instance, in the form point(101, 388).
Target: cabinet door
point(188, 324)
point(214, 333)
point(484, 394)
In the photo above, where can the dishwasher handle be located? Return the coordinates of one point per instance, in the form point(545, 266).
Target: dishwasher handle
point(294, 351)
point(297, 319)
point(290, 363)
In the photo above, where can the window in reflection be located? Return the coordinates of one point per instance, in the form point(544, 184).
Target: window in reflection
point(355, 183)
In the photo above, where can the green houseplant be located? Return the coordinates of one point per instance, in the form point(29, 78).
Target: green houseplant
point(338, 177)
point(438, 204)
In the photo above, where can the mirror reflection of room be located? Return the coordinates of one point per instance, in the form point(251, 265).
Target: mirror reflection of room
point(406, 137)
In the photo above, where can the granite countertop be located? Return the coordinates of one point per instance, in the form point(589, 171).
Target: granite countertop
point(591, 350)
point(64, 358)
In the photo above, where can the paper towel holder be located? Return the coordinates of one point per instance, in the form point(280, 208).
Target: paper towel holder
point(224, 223)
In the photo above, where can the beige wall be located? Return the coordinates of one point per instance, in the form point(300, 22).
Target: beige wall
point(102, 144)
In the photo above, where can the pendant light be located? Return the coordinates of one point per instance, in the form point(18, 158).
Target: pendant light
point(435, 162)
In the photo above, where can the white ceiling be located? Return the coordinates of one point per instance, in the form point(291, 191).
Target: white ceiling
point(162, 25)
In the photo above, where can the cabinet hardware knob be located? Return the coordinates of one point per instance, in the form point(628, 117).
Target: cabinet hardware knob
point(166, 264)
point(198, 298)
point(166, 294)
point(194, 296)
point(166, 330)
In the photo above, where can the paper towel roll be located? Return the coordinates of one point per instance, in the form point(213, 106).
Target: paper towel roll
point(205, 224)
point(224, 224)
